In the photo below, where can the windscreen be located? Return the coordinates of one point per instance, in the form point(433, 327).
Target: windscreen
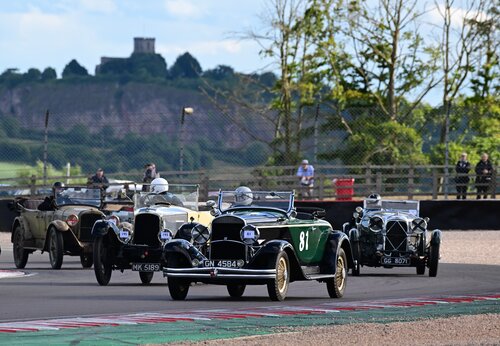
point(239, 199)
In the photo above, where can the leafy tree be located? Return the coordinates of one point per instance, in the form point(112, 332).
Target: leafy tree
point(74, 69)
point(220, 72)
point(49, 74)
point(32, 75)
point(185, 66)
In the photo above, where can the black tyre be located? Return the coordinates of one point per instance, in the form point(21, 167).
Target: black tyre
point(178, 288)
point(86, 260)
point(421, 267)
point(102, 261)
point(357, 258)
point(278, 287)
point(56, 248)
point(336, 286)
point(236, 291)
point(433, 260)
point(20, 255)
point(356, 269)
point(146, 277)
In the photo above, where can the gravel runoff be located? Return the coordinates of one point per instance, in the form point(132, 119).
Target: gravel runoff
point(458, 330)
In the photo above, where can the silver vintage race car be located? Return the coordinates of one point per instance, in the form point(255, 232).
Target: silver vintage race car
point(391, 233)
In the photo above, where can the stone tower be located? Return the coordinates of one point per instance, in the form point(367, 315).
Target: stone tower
point(144, 45)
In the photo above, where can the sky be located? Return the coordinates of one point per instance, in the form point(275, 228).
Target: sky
point(50, 33)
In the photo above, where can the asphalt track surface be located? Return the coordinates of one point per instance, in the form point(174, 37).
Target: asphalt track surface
point(45, 293)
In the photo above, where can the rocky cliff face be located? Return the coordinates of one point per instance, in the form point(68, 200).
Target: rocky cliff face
point(133, 107)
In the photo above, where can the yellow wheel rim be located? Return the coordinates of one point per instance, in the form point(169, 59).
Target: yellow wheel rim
point(341, 273)
point(282, 275)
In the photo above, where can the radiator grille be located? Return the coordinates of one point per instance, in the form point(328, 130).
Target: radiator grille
point(146, 228)
point(86, 223)
point(227, 228)
point(224, 249)
point(396, 236)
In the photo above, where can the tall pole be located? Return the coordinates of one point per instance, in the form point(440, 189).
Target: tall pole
point(181, 159)
point(446, 149)
point(45, 148)
point(316, 116)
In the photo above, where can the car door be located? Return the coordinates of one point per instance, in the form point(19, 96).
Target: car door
point(308, 240)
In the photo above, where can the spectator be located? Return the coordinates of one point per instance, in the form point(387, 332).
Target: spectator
point(149, 175)
point(305, 172)
point(462, 179)
point(484, 172)
point(49, 201)
point(98, 180)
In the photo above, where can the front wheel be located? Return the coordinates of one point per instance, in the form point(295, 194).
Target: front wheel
point(86, 261)
point(278, 287)
point(146, 277)
point(56, 247)
point(178, 288)
point(421, 267)
point(20, 255)
point(102, 261)
point(336, 285)
point(236, 291)
point(433, 260)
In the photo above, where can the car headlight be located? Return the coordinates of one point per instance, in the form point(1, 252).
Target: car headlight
point(200, 234)
point(165, 235)
point(114, 219)
point(72, 220)
point(359, 210)
point(355, 215)
point(249, 234)
point(418, 225)
point(376, 224)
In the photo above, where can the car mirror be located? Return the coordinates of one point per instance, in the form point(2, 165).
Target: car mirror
point(210, 203)
point(319, 214)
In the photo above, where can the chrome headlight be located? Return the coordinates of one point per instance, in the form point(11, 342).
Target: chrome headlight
point(200, 234)
point(359, 210)
point(418, 225)
point(249, 234)
point(376, 224)
point(355, 215)
point(165, 235)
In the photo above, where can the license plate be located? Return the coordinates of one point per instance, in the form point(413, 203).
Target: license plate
point(146, 267)
point(220, 263)
point(398, 261)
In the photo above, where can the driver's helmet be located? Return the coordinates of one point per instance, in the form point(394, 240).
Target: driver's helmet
point(243, 196)
point(159, 185)
point(375, 196)
point(57, 187)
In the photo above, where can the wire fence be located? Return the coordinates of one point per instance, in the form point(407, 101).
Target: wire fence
point(413, 155)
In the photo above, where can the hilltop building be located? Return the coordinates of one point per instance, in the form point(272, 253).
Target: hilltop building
point(142, 45)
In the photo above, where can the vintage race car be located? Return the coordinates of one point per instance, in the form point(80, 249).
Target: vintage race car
point(137, 245)
point(258, 238)
point(63, 231)
point(390, 233)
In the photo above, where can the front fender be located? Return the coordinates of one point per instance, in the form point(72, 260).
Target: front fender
point(354, 235)
point(60, 225)
point(335, 242)
point(182, 248)
point(436, 237)
point(102, 227)
point(265, 257)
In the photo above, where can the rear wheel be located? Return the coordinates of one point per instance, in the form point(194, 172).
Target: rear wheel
point(178, 288)
point(146, 277)
point(357, 258)
point(56, 247)
point(336, 285)
point(236, 291)
point(278, 287)
point(421, 267)
point(86, 260)
point(102, 262)
point(20, 255)
point(433, 260)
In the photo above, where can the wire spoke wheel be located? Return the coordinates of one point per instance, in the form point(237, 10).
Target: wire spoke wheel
point(278, 287)
point(336, 285)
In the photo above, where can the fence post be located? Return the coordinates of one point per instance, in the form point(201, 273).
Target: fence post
point(411, 183)
point(379, 183)
point(493, 186)
point(321, 189)
point(33, 185)
point(435, 183)
point(368, 180)
point(204, 187)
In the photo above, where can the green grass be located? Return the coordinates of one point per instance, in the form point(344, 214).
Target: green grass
point(12, 170)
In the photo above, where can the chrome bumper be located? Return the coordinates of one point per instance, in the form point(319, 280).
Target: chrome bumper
point(219, 272)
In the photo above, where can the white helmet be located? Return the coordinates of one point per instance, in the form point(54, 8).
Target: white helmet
point(243, 196)
point(159, 185)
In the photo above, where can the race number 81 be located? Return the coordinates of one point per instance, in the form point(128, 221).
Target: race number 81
point(304, 241)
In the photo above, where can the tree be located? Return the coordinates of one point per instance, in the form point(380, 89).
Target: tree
point(49, 74)
point(74, 69)
point(32, 75)
point(185, 66)
point(220, 72)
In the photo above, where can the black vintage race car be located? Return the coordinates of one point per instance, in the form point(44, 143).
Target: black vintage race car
point(258, 238)
point(390, 233)
point(137, 245)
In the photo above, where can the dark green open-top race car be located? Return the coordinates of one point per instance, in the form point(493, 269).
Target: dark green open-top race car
point(258, 238)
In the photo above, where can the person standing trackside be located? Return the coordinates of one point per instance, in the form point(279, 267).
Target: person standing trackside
point(484, 172)
point(149, 175)
point(462, 179)
point(98, 180)
point(305, 173)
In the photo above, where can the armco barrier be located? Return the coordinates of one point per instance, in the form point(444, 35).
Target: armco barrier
point(443, 214)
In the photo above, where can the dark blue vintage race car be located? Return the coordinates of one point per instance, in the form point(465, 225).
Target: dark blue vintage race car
point(258, 238)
